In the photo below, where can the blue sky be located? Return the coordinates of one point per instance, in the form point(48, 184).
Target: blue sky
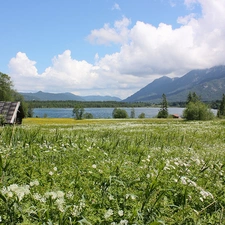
point(105, 47)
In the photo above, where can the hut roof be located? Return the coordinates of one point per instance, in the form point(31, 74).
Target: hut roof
point(9, 109)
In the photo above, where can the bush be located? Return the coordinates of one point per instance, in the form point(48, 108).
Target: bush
point(119, 113)
point(141, 116)
point(88, 116)
point(197, 111)
point(163, 113)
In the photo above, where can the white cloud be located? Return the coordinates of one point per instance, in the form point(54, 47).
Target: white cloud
point(116, 7)
point(146, 53)
point(22, 66)
point(186, 19)
point(198, 43)
point(107, 35)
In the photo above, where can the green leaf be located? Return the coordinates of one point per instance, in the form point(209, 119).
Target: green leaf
point(3, 197)
point(0, 165)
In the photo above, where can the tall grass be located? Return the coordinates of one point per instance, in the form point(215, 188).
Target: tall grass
point(112, 172)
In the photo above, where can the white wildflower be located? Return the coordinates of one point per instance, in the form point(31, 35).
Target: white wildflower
point(55, 168)
point(108, 213)
point(75, 211)
point(39, 198)
point(60, 203)
point(69, 194)
point(51, 194)
point(34, 183)
point(50, 173)
point(94, 166)
point(148, 175)
point(206, 194)
point(111, 197)
point(183, 180)
point(120, 212)
point(60, 194)
point(82, 203)
point(20, 191)
point(125, 222)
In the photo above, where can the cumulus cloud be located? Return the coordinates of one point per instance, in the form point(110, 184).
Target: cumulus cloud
point(197, 43)
point(64, 73)
point(22, 65)
point(107, 35)
point(146, 52)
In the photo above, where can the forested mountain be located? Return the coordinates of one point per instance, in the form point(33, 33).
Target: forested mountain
point(45, 96)
point(208, 83)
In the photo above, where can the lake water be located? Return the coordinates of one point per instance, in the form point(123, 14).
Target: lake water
point(100, 112)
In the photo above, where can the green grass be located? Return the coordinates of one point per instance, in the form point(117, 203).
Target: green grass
point(134, 171)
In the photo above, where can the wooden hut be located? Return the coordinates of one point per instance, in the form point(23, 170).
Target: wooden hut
point(12, 112)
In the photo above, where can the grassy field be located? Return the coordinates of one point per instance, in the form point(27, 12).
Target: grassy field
point(134, 171)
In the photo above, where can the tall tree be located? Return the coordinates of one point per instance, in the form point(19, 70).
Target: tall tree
point(7, 93)
point(163, 112)
point(193, 97)
point(78, 111)
point(221, 110)
point(6, 86)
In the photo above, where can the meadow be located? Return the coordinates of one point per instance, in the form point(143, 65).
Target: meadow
point(134, 171)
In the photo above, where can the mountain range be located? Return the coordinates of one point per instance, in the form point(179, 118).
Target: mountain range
point(45, 96)
point(207, 83)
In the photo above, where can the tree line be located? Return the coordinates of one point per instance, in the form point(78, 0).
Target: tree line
point(195, 109)
point(8, 93)
point(87, 104)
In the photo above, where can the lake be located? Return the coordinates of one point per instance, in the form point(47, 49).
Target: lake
point(100, 112)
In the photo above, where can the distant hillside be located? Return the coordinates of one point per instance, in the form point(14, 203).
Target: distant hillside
point(45, 96)
point(208, 83)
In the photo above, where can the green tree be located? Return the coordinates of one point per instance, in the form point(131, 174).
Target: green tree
point(221, 110)
point(7, 93)
point(6, 90)
point(119, 113)
point(30, 110)
point(132, 113)
point(193, 97)
point(196, 110)
point(19, 98)
point(163, 112)
point(78, 111)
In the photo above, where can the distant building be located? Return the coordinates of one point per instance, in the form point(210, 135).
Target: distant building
point(176, 116)
point(11, 112)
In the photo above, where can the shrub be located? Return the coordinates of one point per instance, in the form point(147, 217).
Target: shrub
point(141, 116)
point(119, 113)
point(197, 111)
point(88, 116)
